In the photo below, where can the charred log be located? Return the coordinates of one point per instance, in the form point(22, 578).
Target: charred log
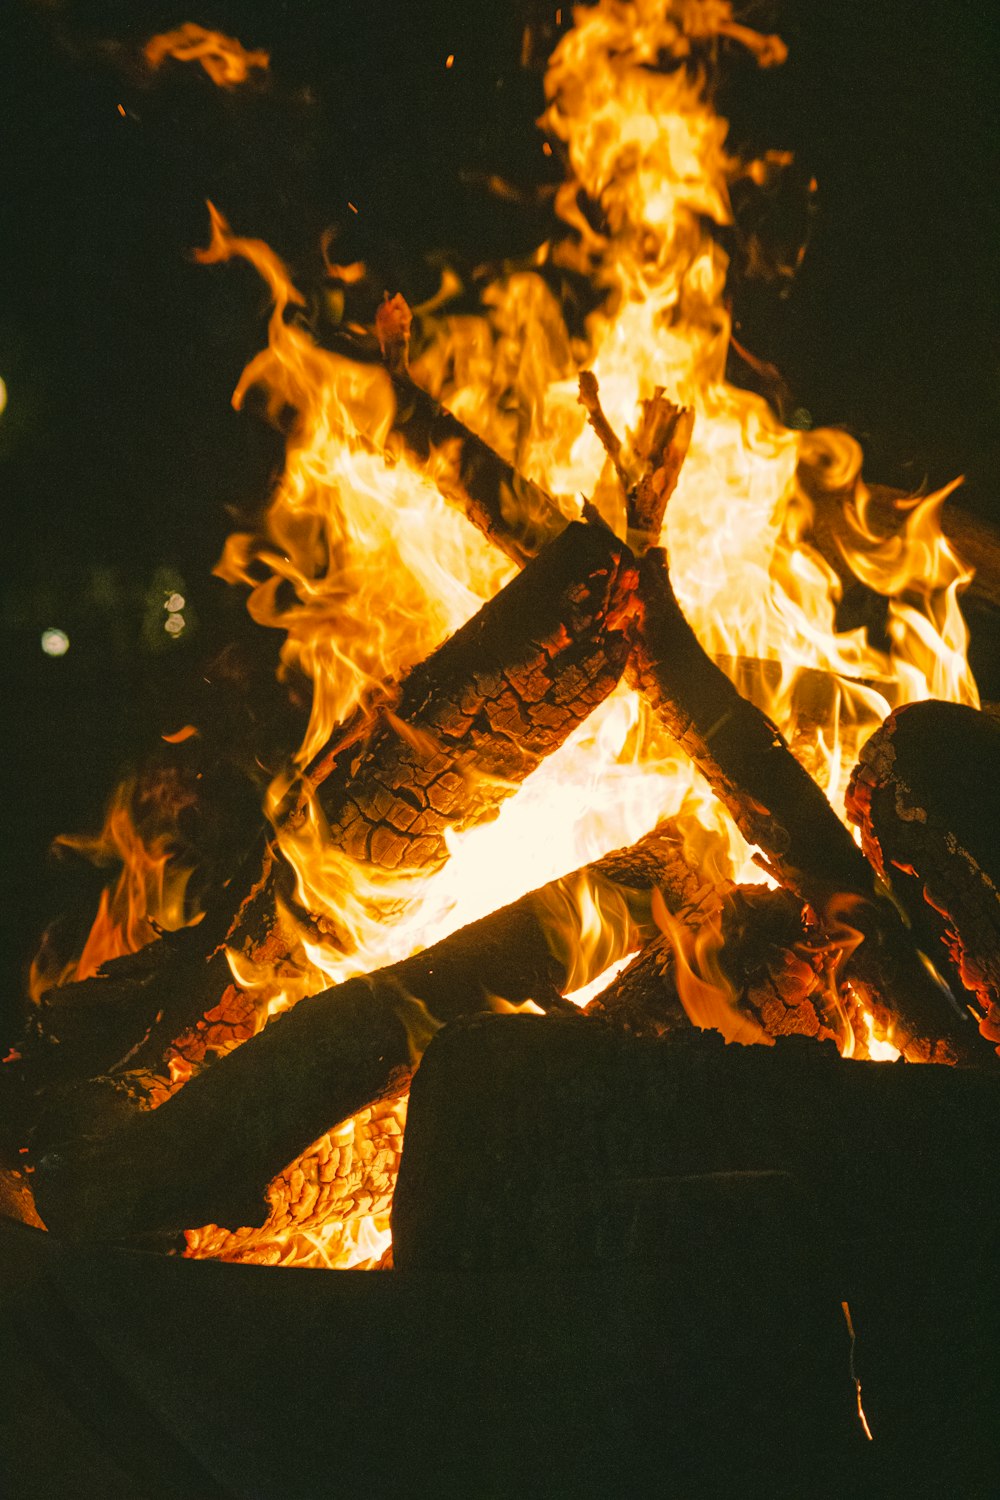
point(517, 515)
point(208, 1154)
point(469, 725)
point(483, 712)
point(778, 807)
point(768, 960)
point(927, 800)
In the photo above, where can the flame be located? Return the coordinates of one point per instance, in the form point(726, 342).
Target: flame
point(150, 893)
point(366, 569)
point(225, 61)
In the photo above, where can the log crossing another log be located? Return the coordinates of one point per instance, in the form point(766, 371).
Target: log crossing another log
point(208, 1154)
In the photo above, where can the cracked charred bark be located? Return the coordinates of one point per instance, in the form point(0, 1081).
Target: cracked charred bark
point(765, 946)
point(927, 800)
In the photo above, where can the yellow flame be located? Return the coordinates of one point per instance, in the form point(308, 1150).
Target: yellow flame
point(149, 894)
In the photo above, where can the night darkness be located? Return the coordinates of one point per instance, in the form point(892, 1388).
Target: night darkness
point(121, 463)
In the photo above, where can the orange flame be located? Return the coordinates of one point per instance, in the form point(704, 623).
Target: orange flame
point(225, 61)
point(149, 895)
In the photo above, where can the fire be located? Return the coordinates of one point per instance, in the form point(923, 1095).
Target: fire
point(225, 61)
point(366, 568)
point(150, 892)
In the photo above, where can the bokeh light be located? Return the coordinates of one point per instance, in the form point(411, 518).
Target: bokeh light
point(55, 642)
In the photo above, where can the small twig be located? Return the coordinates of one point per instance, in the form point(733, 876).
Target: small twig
point(590, 400)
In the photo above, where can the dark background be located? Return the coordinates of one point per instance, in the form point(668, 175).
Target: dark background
point(121, 463)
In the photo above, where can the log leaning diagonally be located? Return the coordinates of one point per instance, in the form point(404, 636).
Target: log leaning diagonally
point(772, 798)
point(468, 725)
point(208, 1154)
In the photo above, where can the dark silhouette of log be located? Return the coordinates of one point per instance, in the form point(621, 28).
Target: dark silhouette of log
point(104, 1169)
point(926, 796)
point(555, 1142)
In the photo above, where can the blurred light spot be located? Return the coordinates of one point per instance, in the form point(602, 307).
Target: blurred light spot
point(352, 207)
point(449, 61)
point(174, 603)
point(3, 394)
point(546, 149)
point(174, 624)
point(121, 110)
point(55, 642)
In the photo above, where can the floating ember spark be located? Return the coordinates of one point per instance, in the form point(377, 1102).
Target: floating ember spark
point(224, 59)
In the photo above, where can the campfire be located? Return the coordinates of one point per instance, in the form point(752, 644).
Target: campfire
point(586, 740)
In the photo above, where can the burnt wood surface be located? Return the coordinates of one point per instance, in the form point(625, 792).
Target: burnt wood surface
point(765, 947)
point(926, 796)
point(486, 708)
point(777, 806)
point(104, 1169)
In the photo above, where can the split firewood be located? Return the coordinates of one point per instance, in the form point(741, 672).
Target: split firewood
point(926, 797)
point(772, 798)
point(105, 1169)
point(764, 972)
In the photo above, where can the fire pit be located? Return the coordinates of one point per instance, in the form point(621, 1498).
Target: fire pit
point(586, 736)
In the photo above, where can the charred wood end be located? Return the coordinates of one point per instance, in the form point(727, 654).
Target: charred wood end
point(926, 796)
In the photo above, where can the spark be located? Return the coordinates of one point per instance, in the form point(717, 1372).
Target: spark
point(449, 61)
point(55, 642)
point(3, 393)
point(352, 207)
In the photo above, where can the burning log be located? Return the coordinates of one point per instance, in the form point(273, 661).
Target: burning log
point(514, 513)
point(768, 969)
point(777, 806)
point(482, 713)
point(926, 799)
point(773, 799)
point(208, 1154)
point(469, 725)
